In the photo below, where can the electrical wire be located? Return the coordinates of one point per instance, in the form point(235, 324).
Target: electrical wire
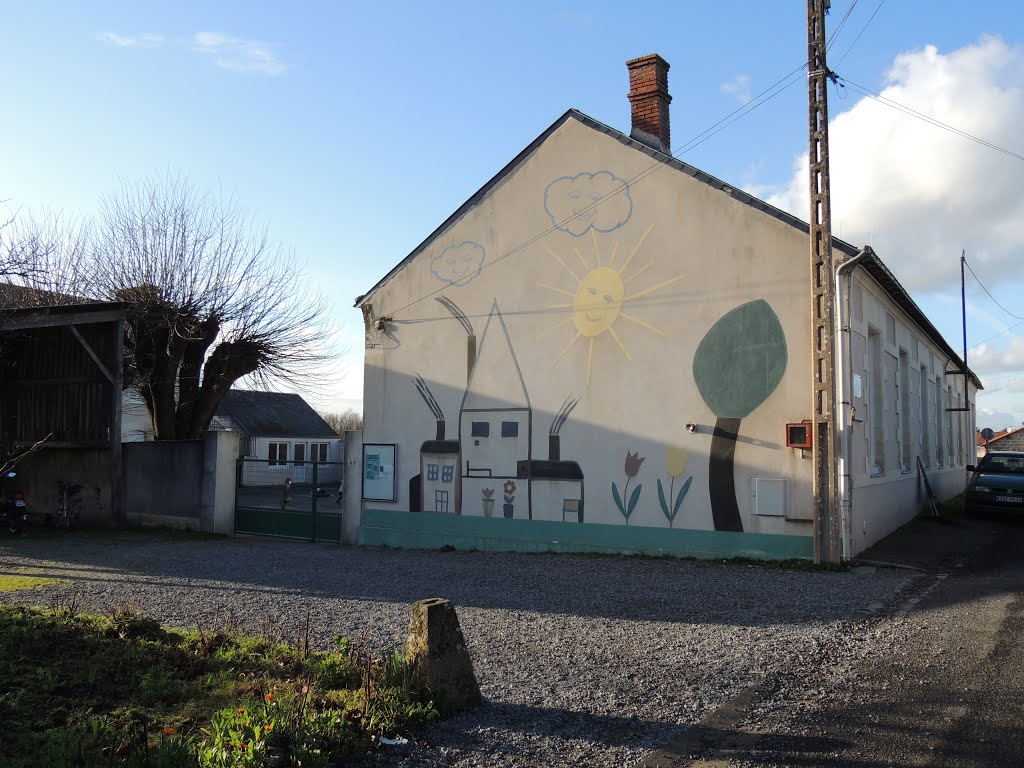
point(762, 98)
point(1005, 386)
point(997, 335)
point(986, 290)
point(926, 118)
point(843, 57)
point(842, 23)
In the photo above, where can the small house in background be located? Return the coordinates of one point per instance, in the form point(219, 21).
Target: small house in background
point(282, 431)
point(1009, 439)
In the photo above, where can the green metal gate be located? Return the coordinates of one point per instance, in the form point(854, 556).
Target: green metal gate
point(307, 508)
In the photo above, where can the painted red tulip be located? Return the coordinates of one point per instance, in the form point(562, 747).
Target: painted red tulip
point(633, 462)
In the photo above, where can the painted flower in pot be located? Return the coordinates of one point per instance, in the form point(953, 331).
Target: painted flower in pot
point(510, 488)
point(675, 464)
point(488, 501)
point(627, 504)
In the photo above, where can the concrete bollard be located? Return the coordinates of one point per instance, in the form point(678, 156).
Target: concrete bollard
point(437, 652)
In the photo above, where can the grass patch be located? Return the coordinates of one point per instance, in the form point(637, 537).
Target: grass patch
point(16, 582)
point(121, 690)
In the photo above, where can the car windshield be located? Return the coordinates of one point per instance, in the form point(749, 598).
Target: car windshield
point(1007, 464)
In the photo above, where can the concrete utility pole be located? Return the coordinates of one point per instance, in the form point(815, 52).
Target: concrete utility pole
point(827, 534)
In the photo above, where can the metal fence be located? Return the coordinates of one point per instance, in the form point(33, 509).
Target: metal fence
point(298, 500)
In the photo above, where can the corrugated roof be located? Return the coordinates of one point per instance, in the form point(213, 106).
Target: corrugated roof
point(872, 263)
point(273, 414)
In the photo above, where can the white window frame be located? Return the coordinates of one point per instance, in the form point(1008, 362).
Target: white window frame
point(319, 451)
point(275, 457)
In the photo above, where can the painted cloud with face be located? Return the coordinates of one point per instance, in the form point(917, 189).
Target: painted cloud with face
point(458, 264)
point(588, 200)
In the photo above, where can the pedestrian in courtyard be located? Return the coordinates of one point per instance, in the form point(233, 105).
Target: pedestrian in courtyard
point(287, 498)
point(341, 492)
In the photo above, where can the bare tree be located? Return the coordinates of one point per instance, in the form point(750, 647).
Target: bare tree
point(343, 422)
point(210, 299)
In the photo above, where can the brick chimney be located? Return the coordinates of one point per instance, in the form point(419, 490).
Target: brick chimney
point(649, 100)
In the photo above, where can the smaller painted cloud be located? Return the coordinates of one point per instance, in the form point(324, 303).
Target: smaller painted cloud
point(238, 55)
point(132, 41)
point(588, 200)
point(458, 264)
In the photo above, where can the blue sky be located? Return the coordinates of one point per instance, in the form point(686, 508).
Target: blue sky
point(354, 130)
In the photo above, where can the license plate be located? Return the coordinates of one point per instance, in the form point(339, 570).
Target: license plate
point(19, 503)
point(1010, 499)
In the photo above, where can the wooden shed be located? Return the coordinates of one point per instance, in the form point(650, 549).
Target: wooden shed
point(61, 379)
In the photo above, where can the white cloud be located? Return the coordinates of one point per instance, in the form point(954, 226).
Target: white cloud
point(738, 87)
point(238, 55)
point(147, 40)
point(996, 419)
point(920, 194)
point(989, 359)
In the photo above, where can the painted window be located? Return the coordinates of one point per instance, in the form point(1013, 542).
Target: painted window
point(447, 473)
point(431, 471)
point(510, 429)
point(940, 407)
point(925, 418)
point(441, 501)
point(277, 454)
point(318, 451)
point(299, 454)
point(904, 404)
point(481, 429)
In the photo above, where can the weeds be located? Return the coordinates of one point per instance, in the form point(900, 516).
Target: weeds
point(120, 691)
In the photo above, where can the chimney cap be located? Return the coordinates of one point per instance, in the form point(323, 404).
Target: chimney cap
point(641, 60)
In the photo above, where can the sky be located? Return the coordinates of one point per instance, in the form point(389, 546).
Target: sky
point(353, 130)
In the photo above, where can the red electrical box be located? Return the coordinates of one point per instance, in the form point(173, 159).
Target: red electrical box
point(799, 435)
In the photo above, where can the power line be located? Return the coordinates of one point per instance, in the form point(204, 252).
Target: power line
point(843, 57)
point(842, 22)
point(986, 290)
point(926, 118)
point(996, 335)
point(1005, 386)
point(762, 98)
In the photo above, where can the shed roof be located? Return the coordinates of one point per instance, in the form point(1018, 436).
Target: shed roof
point(273, 414)
point(871, 263)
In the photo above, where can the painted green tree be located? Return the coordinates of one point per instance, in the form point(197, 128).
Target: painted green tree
point(737, 366)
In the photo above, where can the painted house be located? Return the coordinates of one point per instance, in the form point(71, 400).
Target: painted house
point(608, 345)
point(284, 434)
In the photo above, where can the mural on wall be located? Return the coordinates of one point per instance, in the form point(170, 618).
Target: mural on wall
point(627, 504)
point(598, 201)
point(675, 464)
point(598, 298)
point(493, 450)
point(737, 366)
point(458, 264)
point(457, 313)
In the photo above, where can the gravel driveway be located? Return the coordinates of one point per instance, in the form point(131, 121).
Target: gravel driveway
point(582, 660)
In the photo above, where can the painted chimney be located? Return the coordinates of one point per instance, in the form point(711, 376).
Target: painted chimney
point(649, 100)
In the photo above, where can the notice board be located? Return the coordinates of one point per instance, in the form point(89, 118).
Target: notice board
point(379, 472)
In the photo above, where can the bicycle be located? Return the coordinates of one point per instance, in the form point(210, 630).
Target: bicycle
point(69, 505)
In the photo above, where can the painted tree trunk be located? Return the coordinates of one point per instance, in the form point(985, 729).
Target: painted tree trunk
point(721, 482)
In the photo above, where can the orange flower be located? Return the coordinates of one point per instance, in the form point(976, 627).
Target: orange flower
point(269, 697)
point(168, 731)
point(268, 728)
point(241, 710)
point(150, 745)
point(242, 745)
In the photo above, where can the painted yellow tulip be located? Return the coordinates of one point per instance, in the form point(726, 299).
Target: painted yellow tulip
point(675, 460)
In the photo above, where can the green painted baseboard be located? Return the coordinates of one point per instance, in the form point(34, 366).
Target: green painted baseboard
point(428, 530)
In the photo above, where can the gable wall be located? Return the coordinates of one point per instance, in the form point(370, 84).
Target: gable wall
point(699, 255)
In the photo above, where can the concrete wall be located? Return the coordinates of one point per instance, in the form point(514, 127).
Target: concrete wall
point(673, 303)
point(163, 483)
point(351, 503)
point(900, 415)
point(39, 473)
point(217, 492)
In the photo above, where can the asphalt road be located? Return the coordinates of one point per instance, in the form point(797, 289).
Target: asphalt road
point(948, 692)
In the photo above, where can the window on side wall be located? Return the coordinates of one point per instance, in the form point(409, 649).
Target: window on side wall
point(277, 453)
point(299, 455)
point(481, 429)
point(318, 451)
point(510, 429)
point(876, 405)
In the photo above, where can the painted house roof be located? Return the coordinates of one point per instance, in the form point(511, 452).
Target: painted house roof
point(870, 262)
point(273, 414)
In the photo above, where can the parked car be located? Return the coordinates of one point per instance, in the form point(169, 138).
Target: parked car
point(996, 484)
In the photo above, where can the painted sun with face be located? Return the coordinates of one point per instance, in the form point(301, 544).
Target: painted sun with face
point(599, 298)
